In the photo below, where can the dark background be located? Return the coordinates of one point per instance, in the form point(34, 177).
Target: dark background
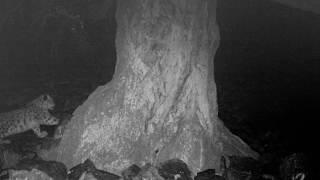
point(267, 73)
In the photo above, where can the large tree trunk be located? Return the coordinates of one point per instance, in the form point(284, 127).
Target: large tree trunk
point(161, 103)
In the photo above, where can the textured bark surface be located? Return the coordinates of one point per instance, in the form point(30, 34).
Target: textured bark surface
point(161, 103)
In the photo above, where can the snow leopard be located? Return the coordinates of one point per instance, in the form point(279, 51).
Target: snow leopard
point(28, 117)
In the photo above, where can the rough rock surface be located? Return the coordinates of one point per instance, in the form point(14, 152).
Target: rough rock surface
point(88, 169)
point(161, 103)
point(34, 174)
point(209, 174)
point(55, 170)
point(35, 169)
point(174, 169)
point(131, 172)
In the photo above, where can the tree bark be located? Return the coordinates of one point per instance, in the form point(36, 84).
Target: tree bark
point(161, 103)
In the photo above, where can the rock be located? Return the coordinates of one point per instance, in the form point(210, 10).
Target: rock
point(24, 145)
point(8, 158)
point(87, 176)
point(76, 172)
point(294, 166)
point(88, 169)
point(206, 174)
point(242, 168)
point(148, 172)
point(55, 170)
point(34, 174)
point(131, 172)
point(174, 169)
point(209, 174)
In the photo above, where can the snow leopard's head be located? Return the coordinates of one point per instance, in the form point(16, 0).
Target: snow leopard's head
point(44, 101)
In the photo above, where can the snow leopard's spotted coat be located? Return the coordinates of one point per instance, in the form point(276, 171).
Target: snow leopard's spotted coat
point(31, 116)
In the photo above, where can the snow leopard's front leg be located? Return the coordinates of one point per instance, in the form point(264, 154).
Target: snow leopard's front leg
point(38, 132)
